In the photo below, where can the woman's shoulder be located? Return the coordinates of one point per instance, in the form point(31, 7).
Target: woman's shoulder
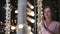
point(56, 23)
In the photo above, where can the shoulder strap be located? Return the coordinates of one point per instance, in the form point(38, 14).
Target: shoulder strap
point(47, 29)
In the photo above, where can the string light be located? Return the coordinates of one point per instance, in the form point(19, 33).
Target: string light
point(14, 20)
point(16, 11)
point(31, 20)
point(31, 33)
point(30, 12)
point(13, 27)
point(8, 32)
point(1, 23)
point(29, 27)
point(30, 5)
point(20, 26)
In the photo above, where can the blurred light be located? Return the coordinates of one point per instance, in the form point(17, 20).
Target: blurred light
point(30, 12)
point(41, 12)
point(16, 11)
point(13, 27)
point(30, 5)
point(31, 33)
point(41, 8)
point(20, 26)
point(8, 4)
point(31, 20)
point(29, 27)
point(14, 20)
point(8, 32)
point(7, 7)
point(1, 23)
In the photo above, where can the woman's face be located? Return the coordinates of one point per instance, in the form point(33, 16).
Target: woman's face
point(47, 13)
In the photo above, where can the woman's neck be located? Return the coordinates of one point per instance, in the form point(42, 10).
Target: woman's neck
point(48, 22)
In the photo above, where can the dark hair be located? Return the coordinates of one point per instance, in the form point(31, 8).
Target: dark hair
point(47, 7)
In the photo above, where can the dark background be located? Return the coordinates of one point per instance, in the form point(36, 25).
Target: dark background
point(55, 5)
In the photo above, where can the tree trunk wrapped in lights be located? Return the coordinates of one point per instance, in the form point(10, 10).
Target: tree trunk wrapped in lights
point(21, 16)
point(40, 16)
point(8, 17)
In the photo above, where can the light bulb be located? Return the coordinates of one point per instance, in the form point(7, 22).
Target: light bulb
point(32, 7)
point(31, 33)
point(16, 11)
point(12, 27)
point(20, 26)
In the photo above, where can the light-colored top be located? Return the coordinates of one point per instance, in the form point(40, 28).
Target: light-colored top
point(53, 27)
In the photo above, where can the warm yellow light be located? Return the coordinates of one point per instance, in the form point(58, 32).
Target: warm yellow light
point(1, 23)
point(13, 27)
point(16, 11)
point(31, 20)
point(30, 12)
point(8, 32)
point(30, 5)
point(31, 33)
point(15, 20)
point(29, 27)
